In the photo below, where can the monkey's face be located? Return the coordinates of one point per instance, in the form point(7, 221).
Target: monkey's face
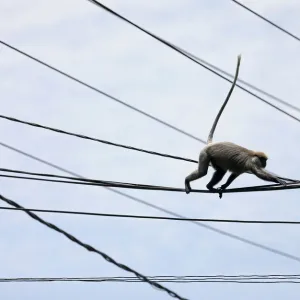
point(263, 162)
point(260, 161)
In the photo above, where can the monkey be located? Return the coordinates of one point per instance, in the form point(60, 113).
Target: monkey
point(227, 156)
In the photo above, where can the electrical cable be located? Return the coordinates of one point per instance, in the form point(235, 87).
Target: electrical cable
point(142, 217)
point(275, 98)
point(185, 53)
point(267, 20)
point(103, 93)
point(92, 249)
point(81, 136)
point(171, 279)
point(137, 186)
point(159, 208)
point(137, 109)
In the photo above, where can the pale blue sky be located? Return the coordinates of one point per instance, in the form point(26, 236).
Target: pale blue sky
point(94, 46)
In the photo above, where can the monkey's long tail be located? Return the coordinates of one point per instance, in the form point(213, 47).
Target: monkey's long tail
point(211, 133)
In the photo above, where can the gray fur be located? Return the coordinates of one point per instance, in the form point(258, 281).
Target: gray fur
point(226, 156)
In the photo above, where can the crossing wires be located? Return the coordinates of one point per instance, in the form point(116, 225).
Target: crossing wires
point(91, 248)
point(159, 208)
point(186, 54)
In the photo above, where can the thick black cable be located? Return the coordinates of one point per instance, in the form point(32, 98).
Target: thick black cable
point(137, 186)
point(185, 53)
point(267, 20)
point(92, 249)
point(142, 217)
point(81, 136)
point(159, 208)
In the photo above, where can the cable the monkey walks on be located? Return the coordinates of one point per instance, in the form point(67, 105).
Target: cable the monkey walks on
point(226, 156)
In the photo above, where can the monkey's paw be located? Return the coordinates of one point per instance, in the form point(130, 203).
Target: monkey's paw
point(220, 191)
point(187, 190)
point(187, 186)
point(282, 182)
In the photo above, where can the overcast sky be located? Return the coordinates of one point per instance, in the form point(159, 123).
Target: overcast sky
point(91, 44)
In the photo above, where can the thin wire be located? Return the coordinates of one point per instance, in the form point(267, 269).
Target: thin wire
point(139, 110)
point(92, 249)
point(185, 53)
point(137, 186)
point(172, 279)
point(267, 20)
point(68, 212)
point(103, 93)
point(159, 208)
point(275, 98)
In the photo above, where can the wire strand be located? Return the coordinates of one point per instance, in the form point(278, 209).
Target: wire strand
point(118, 184)
point(171, 279)
point(138, 186)
point(122, 216)
point(267, 20)
point(185, 53)
point(159, 208)
point(92, 249)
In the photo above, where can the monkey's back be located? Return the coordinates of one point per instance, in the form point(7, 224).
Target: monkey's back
point(229, 156)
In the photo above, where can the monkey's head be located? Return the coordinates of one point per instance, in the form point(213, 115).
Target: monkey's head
point(260, 159)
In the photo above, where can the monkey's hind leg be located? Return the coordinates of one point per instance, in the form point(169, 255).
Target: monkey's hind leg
point(200, 172)
point(230, 179)
point(216, 178)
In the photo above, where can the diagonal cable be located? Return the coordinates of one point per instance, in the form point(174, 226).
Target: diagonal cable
point(159, 208)
point(267, 20)
point(185, 53)
point(92, 249)
point(103, 93)
point(275, 98)
point(81, 136)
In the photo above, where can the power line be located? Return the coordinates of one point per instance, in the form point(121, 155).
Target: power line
point(81, 136)
point(186, 54)
point(92, 249)
point(135, 108)
point(68, 212)
point(171, 279)
point(275, 98)
point(267, 20)
point(137, 186)
point(159, 208)
point(103, 93)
